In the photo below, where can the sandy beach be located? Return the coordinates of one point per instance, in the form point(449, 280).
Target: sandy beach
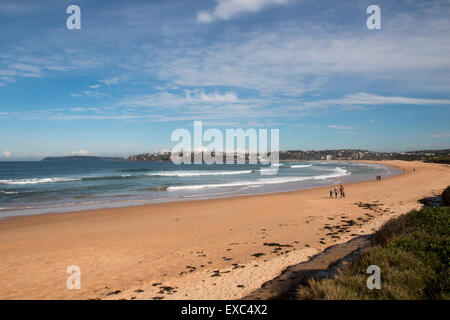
point(208, 249)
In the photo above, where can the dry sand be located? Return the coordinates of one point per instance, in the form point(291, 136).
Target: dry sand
point(209, 249)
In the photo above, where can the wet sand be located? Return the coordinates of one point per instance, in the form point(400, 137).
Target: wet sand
point(208, 249)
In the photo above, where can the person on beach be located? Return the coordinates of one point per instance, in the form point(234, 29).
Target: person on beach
point(343, 192)
point(335, 192)
point(341, 189)
point(331, 193)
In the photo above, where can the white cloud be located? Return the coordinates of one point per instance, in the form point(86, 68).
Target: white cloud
point(9, 72)
point(95, 94)
point(193, 105)
point(434, 135)
point(58, 68)
point(228, 97)
point(227, 9)
point(30, 61)
point(26, 70)
point(109, 82)
point(372, 99)
point(77, 109)
point(191, 98)
point(218, 107)
point(91, 94)
point(6, 154)
point(295, 58)
point(95, 86)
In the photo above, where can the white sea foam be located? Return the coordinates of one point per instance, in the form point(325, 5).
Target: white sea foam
point(268, 170)
point(37, 180)
point(301, 166)
point(338, 172)
point(186, 173)
point(192, 173)
point(8, 192)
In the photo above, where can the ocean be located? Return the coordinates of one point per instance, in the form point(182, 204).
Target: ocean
point(62, 186)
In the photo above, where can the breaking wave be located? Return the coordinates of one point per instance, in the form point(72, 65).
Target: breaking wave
point(338, 172)
point(193, 173)
point(37, 180)
point(186, 173)
point(301, 166)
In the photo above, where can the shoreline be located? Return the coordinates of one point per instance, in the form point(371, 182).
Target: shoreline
point(124, 205)
point(200, 249)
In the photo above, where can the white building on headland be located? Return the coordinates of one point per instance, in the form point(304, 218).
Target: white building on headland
point(329, 157)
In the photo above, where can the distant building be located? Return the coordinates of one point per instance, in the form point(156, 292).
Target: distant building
point(329, 157)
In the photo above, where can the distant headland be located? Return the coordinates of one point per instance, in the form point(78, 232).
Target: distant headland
point(436, 156)
point(82, 158)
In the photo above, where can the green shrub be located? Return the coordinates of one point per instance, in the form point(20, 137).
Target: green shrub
point(446, 196)
point(412, 252)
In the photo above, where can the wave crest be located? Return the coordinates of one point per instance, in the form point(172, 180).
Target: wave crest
point(301, 166)
point(37, 180)
point(338, 172)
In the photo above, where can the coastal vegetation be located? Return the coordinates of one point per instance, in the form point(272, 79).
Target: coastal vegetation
point(446, 197)
point(439, 159)
point(413, 254)
point(436, 156)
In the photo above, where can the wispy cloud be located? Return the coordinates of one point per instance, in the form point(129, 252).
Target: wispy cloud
point(111, 81)
point(10, 8)
point(275, 69)
point(297, 58)
point(341, 127)
point(214, 97)
point(214, 106)
point(91, 94)
point(30, 60)
point(373, 99)
point(26, 70)
point(441, 135)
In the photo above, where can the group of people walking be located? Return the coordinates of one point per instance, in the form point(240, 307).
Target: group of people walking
point(335, 192)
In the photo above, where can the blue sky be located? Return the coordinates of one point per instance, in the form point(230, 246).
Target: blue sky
point(137, 70)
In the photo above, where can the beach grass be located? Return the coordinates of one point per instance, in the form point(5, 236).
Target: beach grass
point(412, 252)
